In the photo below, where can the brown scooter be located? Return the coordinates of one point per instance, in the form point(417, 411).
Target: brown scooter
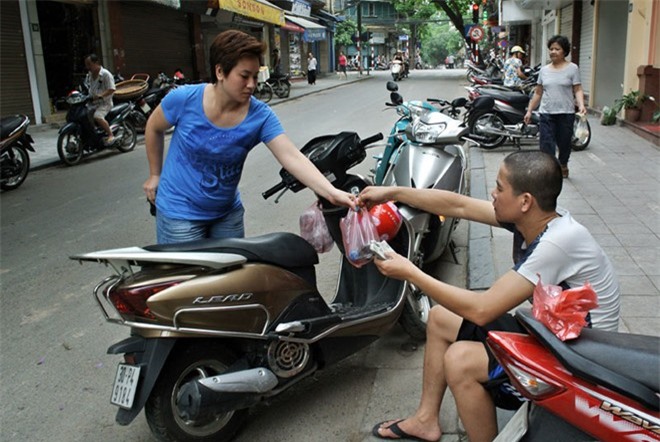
point(219, 325)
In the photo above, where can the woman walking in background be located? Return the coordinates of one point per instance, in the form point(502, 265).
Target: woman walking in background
point(558, 89)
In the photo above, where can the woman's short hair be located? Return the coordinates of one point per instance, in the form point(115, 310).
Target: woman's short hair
point(561, 41)
point(537, 173)
point(230, 46)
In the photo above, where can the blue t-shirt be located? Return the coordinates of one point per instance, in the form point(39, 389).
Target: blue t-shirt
point(204, 163)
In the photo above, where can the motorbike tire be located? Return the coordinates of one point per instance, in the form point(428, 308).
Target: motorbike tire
point(70, 148)
point(487, 141)
point(263, 92)
point(19, 157)
point(415, 315)
point(191, 361)
point(128, 137)
point(282, 89)
point(578, 144)
point(139, 120)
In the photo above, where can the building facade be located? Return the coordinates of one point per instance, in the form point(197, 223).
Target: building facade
point(43, 43)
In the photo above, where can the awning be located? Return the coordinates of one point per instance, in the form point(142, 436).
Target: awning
point(313, 31)
point(258, 9)
point(292, 28)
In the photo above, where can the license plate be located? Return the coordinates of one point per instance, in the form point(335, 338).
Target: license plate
point(516, 428)
point(125, 386)
point(145, 108)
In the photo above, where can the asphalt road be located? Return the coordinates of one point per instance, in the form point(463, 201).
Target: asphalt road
point(56, 376)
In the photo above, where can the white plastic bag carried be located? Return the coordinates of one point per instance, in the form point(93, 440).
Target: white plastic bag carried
point(582, 130)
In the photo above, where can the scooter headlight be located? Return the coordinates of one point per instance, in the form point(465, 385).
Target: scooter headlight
point(427, 133)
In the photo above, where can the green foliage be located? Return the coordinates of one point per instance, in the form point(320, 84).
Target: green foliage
point(438, 41)
point(631, 100)
point(344, 31)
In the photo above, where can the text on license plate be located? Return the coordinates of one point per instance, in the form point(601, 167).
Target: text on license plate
point(125, 386)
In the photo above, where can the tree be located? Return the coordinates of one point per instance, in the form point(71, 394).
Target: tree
point(344, 31)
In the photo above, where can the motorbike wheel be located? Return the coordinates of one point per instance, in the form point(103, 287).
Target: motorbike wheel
point(487, 141)
point(193, 361)
point(70, 148)
point(128, 137)
point(578, 144)
point(263, 92)
point(282, 89)
point(415, 314)
point(15, 167)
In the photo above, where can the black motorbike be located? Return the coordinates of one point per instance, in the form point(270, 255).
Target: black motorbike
point(147, 102)
point(14, 144)
point(281, 84)
point(82, 136)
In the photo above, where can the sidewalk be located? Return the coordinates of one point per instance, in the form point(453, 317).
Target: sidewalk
point(45, 135)
point(614, 190)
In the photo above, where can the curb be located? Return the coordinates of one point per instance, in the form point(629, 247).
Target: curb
point(481, 271)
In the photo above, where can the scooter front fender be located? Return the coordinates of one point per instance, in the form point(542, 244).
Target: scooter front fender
point(150, 355)
point(69, 128)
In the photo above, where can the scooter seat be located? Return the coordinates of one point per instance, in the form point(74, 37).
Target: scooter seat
point(626, 363)
point(10, 124)
point(116, 110)
point(515, 98)
point(281, 248)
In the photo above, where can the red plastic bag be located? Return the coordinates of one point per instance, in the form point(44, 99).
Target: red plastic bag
point(358, 231)
point(314, 229)
point(563, 312)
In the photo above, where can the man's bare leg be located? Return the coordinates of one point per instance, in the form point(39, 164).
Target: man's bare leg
point(103, 123)
point(466, 368)
point(441, 331)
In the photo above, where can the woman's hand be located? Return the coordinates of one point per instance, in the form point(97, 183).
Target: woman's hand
point(396, 266)
point(341, 198)
point(528, 117)
point(582, 110)
point(150, 186)
point(372, 195)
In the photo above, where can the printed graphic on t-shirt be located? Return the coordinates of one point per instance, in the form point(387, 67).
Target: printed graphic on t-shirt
point(218, 163)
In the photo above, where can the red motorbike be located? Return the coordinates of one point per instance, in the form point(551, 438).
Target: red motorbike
point(601, 386)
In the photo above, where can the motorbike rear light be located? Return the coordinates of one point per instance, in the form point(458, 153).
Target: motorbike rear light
point(133, 300)
point(532, 385)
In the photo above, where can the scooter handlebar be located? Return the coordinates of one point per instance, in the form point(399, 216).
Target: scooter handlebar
point(372, 139)
point(273, 190)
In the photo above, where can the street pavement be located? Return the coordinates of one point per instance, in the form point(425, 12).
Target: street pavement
point(613, 189)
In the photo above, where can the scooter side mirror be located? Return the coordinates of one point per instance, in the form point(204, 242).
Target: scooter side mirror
point(396, 98)
point(392, 86)
point(459, 102)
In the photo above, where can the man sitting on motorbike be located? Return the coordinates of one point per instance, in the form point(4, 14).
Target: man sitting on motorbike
point(101, 85)
point(548, 243)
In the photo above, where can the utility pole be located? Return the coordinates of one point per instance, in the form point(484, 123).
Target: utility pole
point(358, 5)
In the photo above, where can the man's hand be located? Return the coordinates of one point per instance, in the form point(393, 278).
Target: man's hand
point(373, 195)
point(396, 266)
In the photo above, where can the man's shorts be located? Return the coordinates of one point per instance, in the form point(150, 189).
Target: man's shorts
point(102, 110)
point(498, 385)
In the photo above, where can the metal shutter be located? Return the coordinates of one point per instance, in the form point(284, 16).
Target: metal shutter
point(156, 39)
point(16, 97)
point(566, 24)
point(586, 46)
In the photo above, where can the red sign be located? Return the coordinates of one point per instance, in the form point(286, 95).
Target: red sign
point(476, 33)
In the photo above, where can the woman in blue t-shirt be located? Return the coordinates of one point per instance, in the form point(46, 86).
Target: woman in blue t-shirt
point(216, 126)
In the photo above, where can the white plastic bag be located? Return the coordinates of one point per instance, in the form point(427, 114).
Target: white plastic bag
point(314, 229)
point(582, 130)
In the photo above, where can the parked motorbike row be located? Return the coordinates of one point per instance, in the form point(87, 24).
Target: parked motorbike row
point(503, 122)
